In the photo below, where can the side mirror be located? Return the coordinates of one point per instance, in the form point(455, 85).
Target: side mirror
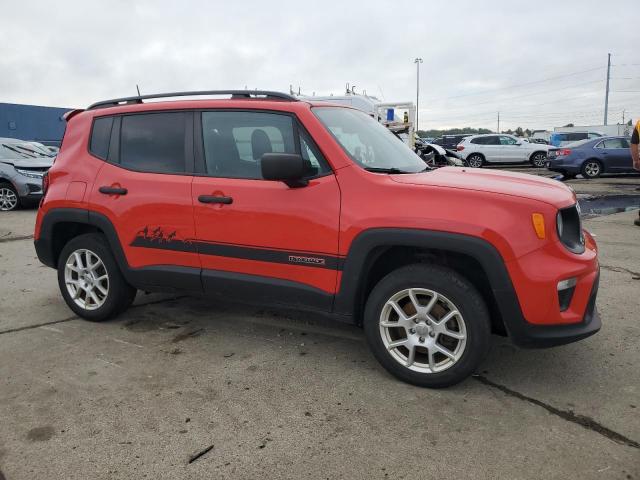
point(284, 167)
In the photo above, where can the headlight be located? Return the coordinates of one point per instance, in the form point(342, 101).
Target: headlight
point(30, 173)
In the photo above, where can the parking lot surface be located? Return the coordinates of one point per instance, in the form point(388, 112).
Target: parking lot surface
point(186, 388)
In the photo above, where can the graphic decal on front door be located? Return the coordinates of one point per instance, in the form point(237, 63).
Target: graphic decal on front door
point(169, 239)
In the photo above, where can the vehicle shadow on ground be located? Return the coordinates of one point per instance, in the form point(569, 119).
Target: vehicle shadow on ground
point(189, 317)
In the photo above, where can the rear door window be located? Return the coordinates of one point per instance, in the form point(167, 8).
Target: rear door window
point(154, 142)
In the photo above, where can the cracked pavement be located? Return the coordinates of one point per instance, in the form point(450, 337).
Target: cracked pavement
point(187, 388)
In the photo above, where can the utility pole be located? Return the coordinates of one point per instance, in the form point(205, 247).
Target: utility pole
point(498, 122)
point(606, 96)
point(623, 111)
point(417, 61)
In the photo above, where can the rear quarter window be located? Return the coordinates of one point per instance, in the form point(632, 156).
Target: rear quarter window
point(101, 136)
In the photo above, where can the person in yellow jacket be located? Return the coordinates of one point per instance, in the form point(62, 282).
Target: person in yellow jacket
point(635, 140)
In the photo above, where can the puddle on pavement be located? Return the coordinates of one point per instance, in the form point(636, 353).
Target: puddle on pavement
point(596, 206)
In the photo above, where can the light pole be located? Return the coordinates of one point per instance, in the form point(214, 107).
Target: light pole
point(417, 61)
point(606, 95)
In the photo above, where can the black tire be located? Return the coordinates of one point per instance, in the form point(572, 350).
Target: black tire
point(538, 159)
point(120, 294)
point(15, 203)
point(475, 160)
point(591, 168)
point(459, 291)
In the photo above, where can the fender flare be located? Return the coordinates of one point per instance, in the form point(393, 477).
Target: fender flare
point(366, 249)
point(45, 242)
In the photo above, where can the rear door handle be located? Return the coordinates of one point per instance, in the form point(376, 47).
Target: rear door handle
point(112, 190)
point(214, 199)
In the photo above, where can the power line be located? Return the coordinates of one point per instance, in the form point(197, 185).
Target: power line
point(587, 96)
point(536, 93)
point(518, 85)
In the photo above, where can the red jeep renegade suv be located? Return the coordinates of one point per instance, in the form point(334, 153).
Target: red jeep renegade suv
point(264, 198)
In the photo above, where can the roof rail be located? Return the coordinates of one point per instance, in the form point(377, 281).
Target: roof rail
point(235, 94)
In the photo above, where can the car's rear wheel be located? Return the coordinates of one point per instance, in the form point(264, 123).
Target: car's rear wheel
point(427, 325)
point(591, 169)
point(90, 280)
point(9, 199)
point(475, 160)
point(538, 159)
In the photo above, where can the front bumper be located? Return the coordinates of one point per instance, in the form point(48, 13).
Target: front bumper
point(528, 335)
point(29, 189)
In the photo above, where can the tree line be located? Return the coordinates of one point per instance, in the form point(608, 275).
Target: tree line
point(434, 133)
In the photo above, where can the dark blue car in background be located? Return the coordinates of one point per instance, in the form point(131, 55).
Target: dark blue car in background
point(592, 157)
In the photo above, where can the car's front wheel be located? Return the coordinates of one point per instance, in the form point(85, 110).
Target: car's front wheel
point(90, 280)
point(8, 198)
point(538, 159)
point(427, 325)
point(475, 160)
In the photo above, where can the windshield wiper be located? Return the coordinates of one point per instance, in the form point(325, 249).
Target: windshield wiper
point(384, 170)
point(23, 154)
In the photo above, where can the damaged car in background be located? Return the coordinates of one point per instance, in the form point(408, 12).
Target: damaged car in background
point(22, 168)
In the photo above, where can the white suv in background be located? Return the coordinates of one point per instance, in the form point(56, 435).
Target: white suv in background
point(500, 148)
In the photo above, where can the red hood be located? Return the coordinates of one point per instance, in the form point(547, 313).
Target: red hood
point(495, 181)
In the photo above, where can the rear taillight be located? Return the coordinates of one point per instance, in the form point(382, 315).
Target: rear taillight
point(460, 148)
point(564, 152)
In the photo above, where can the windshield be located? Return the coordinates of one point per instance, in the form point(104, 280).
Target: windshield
point(32, 149)
point(9, 151)
point(367, 142)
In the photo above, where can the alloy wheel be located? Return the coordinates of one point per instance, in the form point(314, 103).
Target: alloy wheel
point(8, 199)
point(592, 169)
point(475, 161)
point(539, 160)
point(86, 279)
point(423, 330)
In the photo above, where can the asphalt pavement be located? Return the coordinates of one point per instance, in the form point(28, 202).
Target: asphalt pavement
point(182, 387)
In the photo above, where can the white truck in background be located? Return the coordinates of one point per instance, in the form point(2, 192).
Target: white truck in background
point(399, 117)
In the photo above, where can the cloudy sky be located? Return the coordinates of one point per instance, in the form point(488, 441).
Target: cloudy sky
point(539, 65)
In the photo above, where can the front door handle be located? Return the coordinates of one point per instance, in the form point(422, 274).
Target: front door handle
point(214, 199)
point(112, 190)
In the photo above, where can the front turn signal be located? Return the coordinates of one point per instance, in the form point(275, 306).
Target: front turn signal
point(538, 225)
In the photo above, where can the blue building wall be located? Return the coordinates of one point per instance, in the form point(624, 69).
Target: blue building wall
point(32, 122)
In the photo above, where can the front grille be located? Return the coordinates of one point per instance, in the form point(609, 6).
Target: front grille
point(569, 227)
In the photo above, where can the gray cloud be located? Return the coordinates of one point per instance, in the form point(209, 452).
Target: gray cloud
point(72, 53)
